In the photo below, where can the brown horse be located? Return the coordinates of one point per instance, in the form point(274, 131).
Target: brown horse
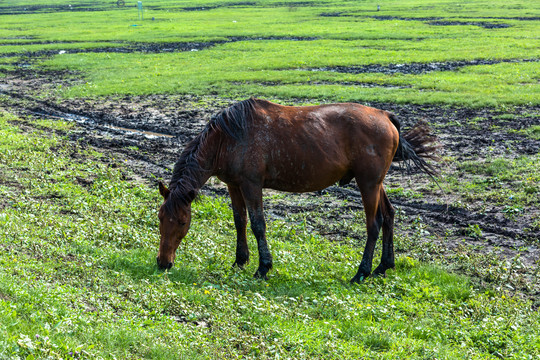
point(257, 144)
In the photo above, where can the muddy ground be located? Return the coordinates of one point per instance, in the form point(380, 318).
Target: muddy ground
point(131, 47)
point(149, 132)
point(414, 68)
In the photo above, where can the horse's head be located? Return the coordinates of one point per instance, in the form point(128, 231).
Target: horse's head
point(174, 220)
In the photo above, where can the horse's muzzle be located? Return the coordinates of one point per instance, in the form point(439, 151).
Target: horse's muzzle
point(164, 267)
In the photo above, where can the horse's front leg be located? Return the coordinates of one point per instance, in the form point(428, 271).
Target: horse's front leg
point(253, 198)
point(240, 222)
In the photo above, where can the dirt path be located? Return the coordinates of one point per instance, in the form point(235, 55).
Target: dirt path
point(149, 132)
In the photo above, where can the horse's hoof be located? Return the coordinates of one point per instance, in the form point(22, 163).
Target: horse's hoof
point(381, 273)
point(358, 278)
point(261, 274)
point(381, 270)
point(240, 263)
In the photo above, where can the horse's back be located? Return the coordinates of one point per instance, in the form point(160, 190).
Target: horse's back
point(309, 148)
point(343, 122)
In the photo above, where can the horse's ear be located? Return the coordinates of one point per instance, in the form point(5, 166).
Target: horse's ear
point(164, 191)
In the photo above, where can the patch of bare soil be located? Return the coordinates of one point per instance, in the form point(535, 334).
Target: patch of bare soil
point(149, 132)
point(123, 47)
point(438, 21)
point(414, 68)
point(142, 47)
point(441, 22)
point(204, 8)
point(33, 9)
point(483, 24)
point(342, 83)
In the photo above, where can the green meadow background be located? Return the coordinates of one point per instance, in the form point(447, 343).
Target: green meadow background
point(79, 231)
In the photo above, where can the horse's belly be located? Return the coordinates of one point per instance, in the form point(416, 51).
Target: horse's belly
point(292, 187)
point(303, 178)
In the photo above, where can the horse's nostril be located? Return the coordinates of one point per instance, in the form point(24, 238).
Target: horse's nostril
point(169, 265)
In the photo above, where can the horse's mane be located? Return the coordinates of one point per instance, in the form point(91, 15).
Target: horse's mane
point(185, 182)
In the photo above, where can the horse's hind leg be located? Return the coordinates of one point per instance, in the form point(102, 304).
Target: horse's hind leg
point(387, 259)
point(240, 222)
point(374, 220)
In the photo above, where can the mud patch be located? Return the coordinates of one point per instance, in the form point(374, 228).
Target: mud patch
point(388, 17)
point(520, 18)
point(211, 7)
point(40, 9)
point(272, 38)
point(202, 8)
point(343, 83)
point(414, 68)
point(122, 48)
point(31, 41)
point(483, 24)
point(291, 5)
point(150, 48)
point(300, 4)
point(436, 21)
point(335, 14)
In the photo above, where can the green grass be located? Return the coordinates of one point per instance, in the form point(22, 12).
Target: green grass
point(189, 73)
point(533, 131)
point(281, 68)
point(79, 238)
point(510, 182)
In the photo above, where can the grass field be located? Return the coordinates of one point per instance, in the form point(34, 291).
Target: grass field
point(290, 50)
point(78, 225)
point(79, 279)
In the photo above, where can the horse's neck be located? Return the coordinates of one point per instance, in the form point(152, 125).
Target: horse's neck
point(207, 160)
point(201, 177)
point(204, 163)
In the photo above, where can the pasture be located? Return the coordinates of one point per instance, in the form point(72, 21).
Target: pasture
point(96, 105)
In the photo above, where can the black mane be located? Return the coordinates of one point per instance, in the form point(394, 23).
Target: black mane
point(234, 120)
point(185, 182)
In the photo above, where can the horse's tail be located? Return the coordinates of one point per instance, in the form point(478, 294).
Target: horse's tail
point(415, 146)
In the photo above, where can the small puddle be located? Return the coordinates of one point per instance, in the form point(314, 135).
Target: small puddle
point(86, 120)
point(149, 134)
